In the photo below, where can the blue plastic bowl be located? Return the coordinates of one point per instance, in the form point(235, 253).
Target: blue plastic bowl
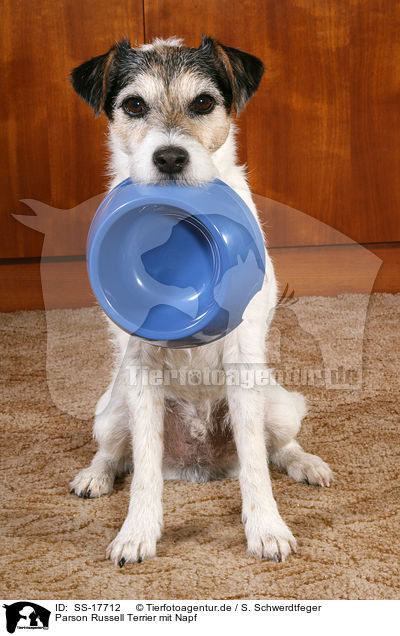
point(175, 265)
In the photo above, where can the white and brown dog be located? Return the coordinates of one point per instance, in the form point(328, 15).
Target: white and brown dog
point(169, 109)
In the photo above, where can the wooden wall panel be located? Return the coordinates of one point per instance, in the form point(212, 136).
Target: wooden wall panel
point(375, 118)
point(322, 134)
point(52, 148)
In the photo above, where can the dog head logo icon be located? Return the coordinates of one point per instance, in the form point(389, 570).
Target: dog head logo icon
point(26, 615)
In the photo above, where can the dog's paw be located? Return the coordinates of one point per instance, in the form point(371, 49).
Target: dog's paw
point(310, 469)
point(272, 540)
point(132, 546)
point(90, 483)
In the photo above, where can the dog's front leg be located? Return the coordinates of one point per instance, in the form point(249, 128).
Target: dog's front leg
point(143, 525)
point(267, 534)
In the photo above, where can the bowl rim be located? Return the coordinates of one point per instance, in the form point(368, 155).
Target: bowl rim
point(164, 197)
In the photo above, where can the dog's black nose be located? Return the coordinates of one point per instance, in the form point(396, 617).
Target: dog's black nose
point(171, 159)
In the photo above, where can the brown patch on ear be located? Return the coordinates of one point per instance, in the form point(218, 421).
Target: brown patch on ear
point(228, 67)
point(109, 61)
point(243, 70)
point(92, 80)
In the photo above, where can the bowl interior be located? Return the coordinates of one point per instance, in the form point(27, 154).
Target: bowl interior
point(157, 266)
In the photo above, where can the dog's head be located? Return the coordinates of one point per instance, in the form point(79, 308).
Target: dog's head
point(169, 106)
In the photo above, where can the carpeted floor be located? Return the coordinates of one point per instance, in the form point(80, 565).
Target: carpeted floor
point(53, 543)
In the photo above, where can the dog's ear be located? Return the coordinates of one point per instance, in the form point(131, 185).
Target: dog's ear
point(243, 71)
point(93, 79)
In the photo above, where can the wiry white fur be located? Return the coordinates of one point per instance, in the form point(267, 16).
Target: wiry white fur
point(157, 42)
point(131, 416)
point(142, 169)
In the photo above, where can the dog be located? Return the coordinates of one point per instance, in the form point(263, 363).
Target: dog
point(170, 114)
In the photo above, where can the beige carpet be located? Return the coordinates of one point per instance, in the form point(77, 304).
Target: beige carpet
point(53, 543)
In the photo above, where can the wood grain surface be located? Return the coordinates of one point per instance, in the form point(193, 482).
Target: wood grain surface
point(323, 132)
point(51, 145)
point(321, 137)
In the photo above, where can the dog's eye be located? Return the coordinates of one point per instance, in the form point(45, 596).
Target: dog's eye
point(134, 106)
point(203, 104)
